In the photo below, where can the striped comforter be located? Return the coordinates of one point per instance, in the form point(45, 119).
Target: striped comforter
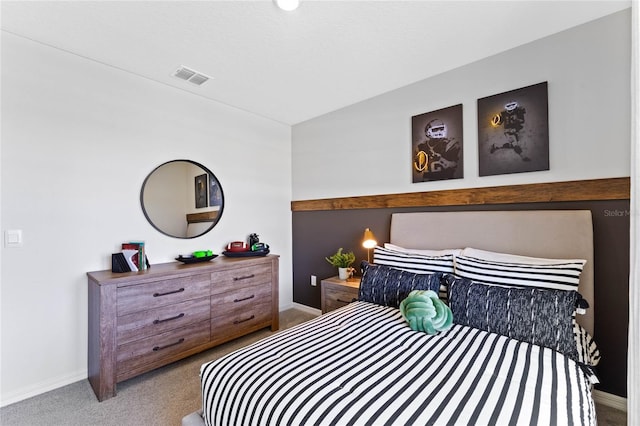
point(363, 365)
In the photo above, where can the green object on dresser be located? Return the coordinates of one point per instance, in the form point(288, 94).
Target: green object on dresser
point(424, 311)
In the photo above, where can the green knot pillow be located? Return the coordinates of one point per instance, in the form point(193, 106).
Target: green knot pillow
point(424, 311)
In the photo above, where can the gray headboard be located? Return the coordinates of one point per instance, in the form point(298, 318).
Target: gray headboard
point(562, 234)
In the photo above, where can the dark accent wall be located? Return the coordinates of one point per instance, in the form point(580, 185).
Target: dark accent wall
point(317, 234)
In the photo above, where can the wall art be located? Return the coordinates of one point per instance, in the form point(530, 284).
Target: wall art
point(201, 191)
point(437, 145)
point(215, 192)
point(513, 131)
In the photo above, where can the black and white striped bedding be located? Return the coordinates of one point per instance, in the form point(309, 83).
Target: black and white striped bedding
point(362, 364)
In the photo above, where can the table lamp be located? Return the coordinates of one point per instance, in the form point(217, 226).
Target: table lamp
point(369, 242)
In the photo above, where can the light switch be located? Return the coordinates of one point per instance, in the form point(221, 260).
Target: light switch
point(13, 238)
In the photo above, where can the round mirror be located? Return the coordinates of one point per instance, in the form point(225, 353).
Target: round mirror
point(182, 199)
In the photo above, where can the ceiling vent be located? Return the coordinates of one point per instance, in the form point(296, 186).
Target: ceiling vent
point(191, 76)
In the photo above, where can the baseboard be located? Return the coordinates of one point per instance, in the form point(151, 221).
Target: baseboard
point(610, 400)
point(302, 307)
point(40, 388)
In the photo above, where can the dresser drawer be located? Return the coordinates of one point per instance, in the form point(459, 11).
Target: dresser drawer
point(240, 300)
point(161, 293)
point(238, 323)
point(231, 279)
point(342, 295)
point(333, 304)
point(336, 293)
point(154, 321)
point(136, 354)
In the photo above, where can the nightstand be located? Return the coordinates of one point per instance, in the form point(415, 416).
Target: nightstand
point(337, 293)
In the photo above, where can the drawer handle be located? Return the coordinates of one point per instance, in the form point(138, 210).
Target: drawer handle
point(345, 301)
point(167, 293)
point(246, 277)
point(159, 348)
point(243, 299)
point(158, 321)
point(244, 320)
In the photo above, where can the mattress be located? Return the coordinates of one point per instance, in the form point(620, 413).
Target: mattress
point(363, 365)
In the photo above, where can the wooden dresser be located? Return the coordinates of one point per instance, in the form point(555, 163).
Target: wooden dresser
point(139, 321)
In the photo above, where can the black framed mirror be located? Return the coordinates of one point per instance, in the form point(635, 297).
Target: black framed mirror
point(182, 199)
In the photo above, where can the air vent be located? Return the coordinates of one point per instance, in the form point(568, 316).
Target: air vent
point(198, 79)
point(191, 76)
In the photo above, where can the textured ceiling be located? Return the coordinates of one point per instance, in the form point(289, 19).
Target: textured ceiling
point(293, 66)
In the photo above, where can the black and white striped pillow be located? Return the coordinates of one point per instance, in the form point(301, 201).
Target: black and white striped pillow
point(413, 262)
point(588, 352)
point(416, 263)
point(564, 275)
point(426, 252)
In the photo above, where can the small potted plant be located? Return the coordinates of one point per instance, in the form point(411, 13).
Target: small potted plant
point(343, 262)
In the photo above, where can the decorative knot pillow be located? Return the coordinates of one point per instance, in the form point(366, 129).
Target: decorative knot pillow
point(424, 311)
point(388, 286)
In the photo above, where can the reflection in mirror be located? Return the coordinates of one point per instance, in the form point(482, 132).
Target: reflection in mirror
point(182, 199)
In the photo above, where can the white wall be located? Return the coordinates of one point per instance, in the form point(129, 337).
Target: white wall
point(78, 139)
point(365, 149)
point(168, 196)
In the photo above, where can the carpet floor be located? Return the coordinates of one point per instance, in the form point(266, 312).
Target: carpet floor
point(160, 397)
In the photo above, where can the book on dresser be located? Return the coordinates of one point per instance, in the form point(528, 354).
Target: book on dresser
point(134, 251)
point(139, 321)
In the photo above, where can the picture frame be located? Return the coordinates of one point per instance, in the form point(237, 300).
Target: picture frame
point(215, 192)
point(513, 131)
point(437, 144)
point(201, 186)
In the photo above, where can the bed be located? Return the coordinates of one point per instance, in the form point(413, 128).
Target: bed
point(363, 364)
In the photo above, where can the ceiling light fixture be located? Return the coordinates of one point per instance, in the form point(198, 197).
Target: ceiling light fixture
point(288, 5)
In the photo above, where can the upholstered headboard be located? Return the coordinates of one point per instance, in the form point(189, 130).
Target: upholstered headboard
point(562, 234)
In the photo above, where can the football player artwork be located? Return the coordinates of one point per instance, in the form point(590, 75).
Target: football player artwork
point(437, 145)
point(513, 131)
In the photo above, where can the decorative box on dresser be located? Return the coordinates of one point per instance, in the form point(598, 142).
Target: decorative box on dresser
point(139, 321)
point(336, 293)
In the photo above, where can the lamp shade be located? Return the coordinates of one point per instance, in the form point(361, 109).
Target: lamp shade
point(288, 5)
point(369, 240)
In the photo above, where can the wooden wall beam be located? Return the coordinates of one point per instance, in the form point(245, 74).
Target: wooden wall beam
point(202, 217)
point(580, 190)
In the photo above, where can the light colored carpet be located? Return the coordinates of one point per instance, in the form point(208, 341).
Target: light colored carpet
point(608, 416)
point(160, 397)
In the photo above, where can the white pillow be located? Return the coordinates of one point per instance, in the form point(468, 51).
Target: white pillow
point(425, 252)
